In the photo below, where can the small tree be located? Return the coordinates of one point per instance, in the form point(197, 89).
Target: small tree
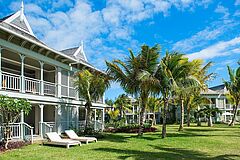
point(210, 112)
point(10, 110)
point(153, 106)
point(233, 86)
point(91, 86)
point(123, 104)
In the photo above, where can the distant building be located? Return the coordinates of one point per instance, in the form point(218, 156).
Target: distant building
point(217, 95)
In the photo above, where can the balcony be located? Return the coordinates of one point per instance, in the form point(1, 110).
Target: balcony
point(12, 82)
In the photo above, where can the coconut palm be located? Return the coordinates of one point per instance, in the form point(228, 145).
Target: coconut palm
point(136, 75)
point(201, 72)
point(233, 87)
point(153, 106)
point(172, 72)
point(90, 86)
point(123, 104)
point(198, 75)
point(210, 111)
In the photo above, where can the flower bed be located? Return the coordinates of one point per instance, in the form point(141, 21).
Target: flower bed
point(13, 145)
point(130, 129)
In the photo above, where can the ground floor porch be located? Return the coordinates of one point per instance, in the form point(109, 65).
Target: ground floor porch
point(45, 118)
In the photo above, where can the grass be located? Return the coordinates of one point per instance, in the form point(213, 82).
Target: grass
point(219, 142)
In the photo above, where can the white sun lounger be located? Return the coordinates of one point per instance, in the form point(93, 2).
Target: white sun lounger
point(55, 139)
point(72, 135)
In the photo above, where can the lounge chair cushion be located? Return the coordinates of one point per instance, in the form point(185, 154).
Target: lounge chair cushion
point(55, 139)
point(72, 135)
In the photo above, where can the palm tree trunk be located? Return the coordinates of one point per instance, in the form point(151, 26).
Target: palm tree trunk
point(210, 121)
point(198, 118)
point(234, 115)
point(88, 115)
point(142, 116)
point(188, 115)
point(182, 116)
point(164, 125)
point(154, 119)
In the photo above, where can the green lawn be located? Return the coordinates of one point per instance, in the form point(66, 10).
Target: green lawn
point(219, 142)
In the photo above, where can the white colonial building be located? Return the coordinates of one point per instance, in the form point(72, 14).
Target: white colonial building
point(217, 95)
point(30, 69)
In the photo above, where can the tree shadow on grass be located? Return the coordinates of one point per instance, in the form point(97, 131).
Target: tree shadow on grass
point(125, 138)
point(163, 153)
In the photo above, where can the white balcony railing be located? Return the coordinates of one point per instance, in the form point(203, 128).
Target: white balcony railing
point(32, 85)
point(49, 88)
point(10, 81)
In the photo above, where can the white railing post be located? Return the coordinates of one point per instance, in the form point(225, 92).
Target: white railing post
point(31, 135)
point(41, 119)
point(41, 78)
point(22, 57)
point(0, 67)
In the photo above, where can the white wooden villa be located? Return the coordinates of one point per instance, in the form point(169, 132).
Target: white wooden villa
point(30, 69)
point(217, 95)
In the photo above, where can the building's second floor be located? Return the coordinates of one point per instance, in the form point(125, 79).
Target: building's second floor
point(27, 65)
point(218, 97)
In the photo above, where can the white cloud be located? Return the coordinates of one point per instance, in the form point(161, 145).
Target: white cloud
point(107, 32)
point(210, 33)
point(237, 2)
point(223, 10)
point(219, 49)
point(198, 40)
point(237, 13)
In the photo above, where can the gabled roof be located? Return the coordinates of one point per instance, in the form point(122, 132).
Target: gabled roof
point(19, 21)
point(18, 25)
point(209, 91)
point(76, 52)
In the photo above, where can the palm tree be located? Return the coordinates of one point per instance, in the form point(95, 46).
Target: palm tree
point(173, 68)
point(210, 112)
point(153, 106)
point(201, 73)
point(136, 75)
point(90, 86)
point(123, 104)
point(197, 102)
point(233, 86)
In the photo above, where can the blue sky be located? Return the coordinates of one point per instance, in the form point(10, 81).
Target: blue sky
point(207, 29)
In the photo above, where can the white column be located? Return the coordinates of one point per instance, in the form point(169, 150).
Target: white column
point(77, 117)
point(216, 101)
point(95, 119)
point(41, 78)
point(41, 106)
point(21, 124)
point(22, 57)
point(59, 81)
point(103, 118)
point(68, 82)
point(22, 117)
point(1, 67)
